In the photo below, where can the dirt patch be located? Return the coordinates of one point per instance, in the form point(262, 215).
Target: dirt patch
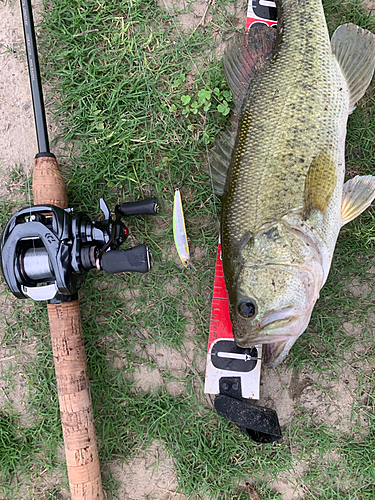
point(332, 401)
point(18, 137)
point(149, 474)
point(165, 367)
point(288, 483)
point(198, 14)
point(359, 290)
point(275, 393)
point(370, 4)
point(327, 397)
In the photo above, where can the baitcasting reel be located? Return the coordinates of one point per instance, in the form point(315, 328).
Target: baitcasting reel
point(47, 251)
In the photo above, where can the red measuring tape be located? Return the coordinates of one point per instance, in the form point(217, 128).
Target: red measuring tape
point(224, 357)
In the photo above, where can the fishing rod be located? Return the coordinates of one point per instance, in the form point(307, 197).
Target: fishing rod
point(46, 253)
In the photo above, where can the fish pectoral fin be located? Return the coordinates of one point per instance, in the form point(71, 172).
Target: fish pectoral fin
point(358, 194)
point(244, 55)
point(244, 240)
point(354, 49)
point(320, 184)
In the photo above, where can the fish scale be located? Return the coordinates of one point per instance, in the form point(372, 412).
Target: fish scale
point(284, 198)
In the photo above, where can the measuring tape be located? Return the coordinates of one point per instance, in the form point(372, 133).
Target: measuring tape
point(261, 11)
point(224, 357)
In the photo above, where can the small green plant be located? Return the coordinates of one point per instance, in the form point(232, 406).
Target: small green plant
point(206, 100)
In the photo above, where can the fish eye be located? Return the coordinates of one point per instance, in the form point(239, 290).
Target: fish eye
point(247, 308)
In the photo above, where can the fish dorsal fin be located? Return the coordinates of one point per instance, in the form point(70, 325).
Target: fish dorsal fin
point(219, 158)
point(358, 194)
point(244, 55)
point(354, 49)
point(320, 184)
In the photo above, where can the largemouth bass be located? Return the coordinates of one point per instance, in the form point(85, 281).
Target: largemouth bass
point(281, 168)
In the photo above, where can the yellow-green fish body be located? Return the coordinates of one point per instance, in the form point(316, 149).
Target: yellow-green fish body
point(283, 200)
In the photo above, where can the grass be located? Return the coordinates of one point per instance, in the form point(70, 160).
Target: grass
point(120, 80)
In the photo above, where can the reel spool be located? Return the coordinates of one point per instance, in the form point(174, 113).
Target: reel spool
point(46, 251)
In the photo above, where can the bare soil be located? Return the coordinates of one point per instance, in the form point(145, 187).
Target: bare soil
point(149, 474)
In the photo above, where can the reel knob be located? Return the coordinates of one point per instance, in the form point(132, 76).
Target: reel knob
point(148, 206)
point(136, 259)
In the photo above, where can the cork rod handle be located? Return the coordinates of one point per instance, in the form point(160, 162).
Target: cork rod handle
point(70, 361)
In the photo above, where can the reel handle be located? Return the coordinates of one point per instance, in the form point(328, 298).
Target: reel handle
point(148, 206)
point(136, 259)
point(70, 360)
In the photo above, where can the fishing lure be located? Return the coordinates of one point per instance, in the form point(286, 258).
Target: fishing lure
point(179, 231)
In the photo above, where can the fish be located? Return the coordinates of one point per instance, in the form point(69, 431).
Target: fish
point(280, 168)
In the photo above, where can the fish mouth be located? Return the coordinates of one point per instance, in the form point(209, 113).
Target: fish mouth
point(278, 318)
point(277, 332)
point(285, 324)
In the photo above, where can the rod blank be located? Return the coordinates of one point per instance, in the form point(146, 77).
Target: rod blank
point(34, 74)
